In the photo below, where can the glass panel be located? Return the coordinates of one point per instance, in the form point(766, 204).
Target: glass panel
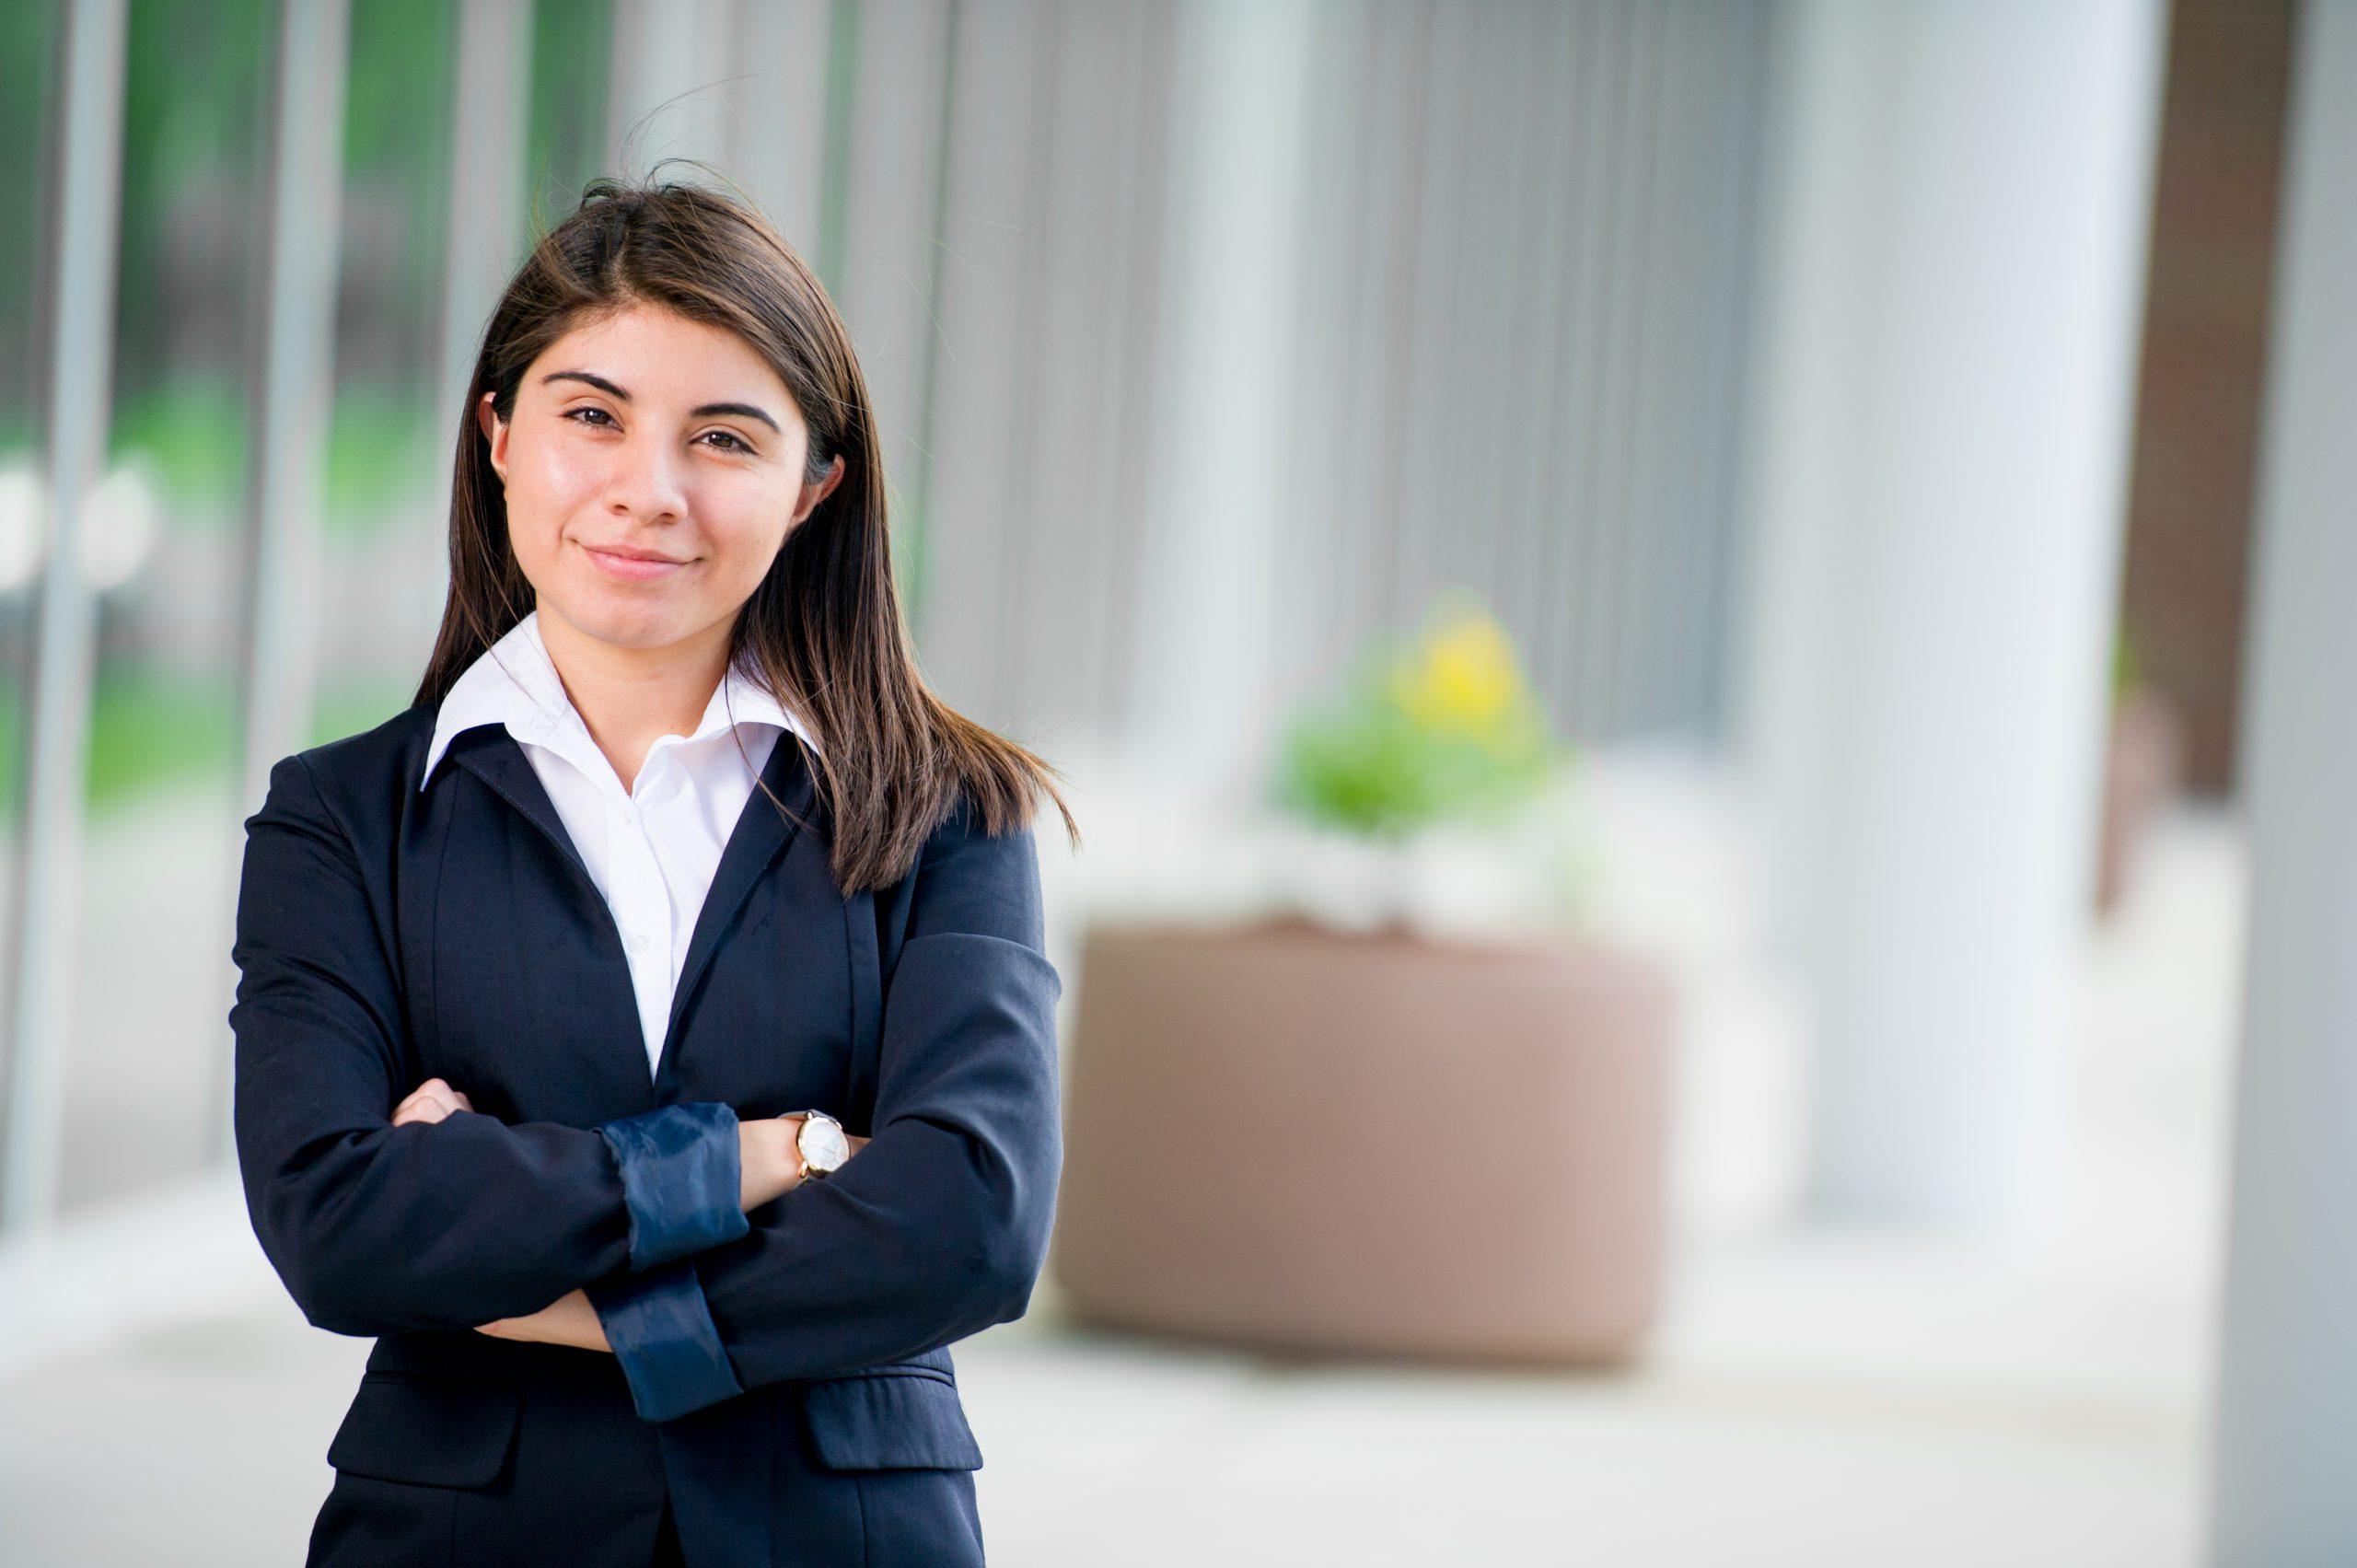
point(389, 452)
point(157, 875)
point(572, 63)
point(28, 39)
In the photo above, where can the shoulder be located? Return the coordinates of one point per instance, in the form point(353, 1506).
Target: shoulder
point(372, 752)
point(360, 782)
point(970, 879)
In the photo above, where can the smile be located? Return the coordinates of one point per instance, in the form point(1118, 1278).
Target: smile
point(631, 568)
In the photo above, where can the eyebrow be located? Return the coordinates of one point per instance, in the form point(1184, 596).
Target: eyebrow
point(743, 411)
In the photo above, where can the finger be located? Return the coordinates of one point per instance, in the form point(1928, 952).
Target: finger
point(429, 1102)
point(462, 1102)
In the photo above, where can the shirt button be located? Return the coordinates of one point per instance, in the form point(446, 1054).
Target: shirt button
point(641, 940)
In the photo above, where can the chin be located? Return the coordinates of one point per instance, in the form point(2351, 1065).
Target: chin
point(616, 618)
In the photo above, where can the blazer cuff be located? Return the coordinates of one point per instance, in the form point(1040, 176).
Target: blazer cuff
point(661, 1330)
point(682, 1180)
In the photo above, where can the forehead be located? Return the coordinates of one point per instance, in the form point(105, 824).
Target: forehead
point(659, 355)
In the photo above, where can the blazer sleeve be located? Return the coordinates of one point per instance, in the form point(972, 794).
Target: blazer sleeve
point(377, 1229)
point(938, 1227)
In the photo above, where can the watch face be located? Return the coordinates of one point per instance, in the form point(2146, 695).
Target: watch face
point(823, 1145)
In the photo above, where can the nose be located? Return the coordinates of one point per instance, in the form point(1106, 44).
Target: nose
point(646, 480)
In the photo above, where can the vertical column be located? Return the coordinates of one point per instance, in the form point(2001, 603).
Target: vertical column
point(293, 400)
point(84, 187)
point(896, 159)
point(781, 113)
point(487, 220)
point(294, 393)
point(2287, 1390)
point(666, 97)
point(487, 230)
point(1958, 196)
point(1218, 529)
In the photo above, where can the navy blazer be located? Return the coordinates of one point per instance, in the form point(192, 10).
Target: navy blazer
point(780, 1379)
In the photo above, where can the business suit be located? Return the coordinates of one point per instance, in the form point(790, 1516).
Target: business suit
point(782, 1380)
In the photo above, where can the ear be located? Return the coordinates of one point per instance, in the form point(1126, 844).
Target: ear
point(814, 493)
point(494, 430)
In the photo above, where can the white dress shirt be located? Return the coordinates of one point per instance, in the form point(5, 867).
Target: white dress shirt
point(651, 849)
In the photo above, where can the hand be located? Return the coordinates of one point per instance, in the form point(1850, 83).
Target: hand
point(770, 1159)
point(570, 1319)
point(430, 1101)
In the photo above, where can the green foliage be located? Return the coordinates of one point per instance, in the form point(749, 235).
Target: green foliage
point(192, 430)
point(384, 446)
point(397, 99)
point(148, 726)
point(565, 142)
point(152, 727)
point(1446, 729)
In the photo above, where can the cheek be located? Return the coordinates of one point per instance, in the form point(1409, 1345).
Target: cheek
point(744, 532)
point(545, 488)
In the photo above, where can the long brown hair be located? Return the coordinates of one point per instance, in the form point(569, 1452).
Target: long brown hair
point(823, 629)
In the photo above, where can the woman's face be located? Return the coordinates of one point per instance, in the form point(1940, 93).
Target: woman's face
point(653, 468)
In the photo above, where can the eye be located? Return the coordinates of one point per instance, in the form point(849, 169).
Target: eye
point(736, 442)
point(604, 420)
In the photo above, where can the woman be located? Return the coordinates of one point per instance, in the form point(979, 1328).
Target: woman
point(648, 1036)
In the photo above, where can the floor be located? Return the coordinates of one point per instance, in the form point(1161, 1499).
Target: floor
point(1814, 1397)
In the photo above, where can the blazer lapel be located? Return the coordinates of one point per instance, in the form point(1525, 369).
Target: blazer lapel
point(493, 755)
point(760, 836)
point(613, 1053)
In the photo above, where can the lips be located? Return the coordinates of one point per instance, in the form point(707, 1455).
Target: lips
point(628, 564)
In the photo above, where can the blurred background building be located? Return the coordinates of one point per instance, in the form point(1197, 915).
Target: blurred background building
point(1902, 440)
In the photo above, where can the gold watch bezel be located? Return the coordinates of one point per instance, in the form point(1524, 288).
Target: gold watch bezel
point(814, 1172)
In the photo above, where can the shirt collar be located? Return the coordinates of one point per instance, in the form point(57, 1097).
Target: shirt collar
point(514, 683)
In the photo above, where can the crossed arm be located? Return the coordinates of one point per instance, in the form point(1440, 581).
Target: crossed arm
point(770, 1167)
point(380, 1222)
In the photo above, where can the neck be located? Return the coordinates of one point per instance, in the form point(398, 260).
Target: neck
point(628, 696)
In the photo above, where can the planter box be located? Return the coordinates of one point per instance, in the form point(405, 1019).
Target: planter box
point(1292, 1138)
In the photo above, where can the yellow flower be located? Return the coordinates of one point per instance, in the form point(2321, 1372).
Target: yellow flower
point(1463, 676)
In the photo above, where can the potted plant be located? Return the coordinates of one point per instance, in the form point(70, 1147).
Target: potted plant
point(1411, 1107)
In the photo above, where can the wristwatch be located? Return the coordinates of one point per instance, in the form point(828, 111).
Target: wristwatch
point(821, 1142)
